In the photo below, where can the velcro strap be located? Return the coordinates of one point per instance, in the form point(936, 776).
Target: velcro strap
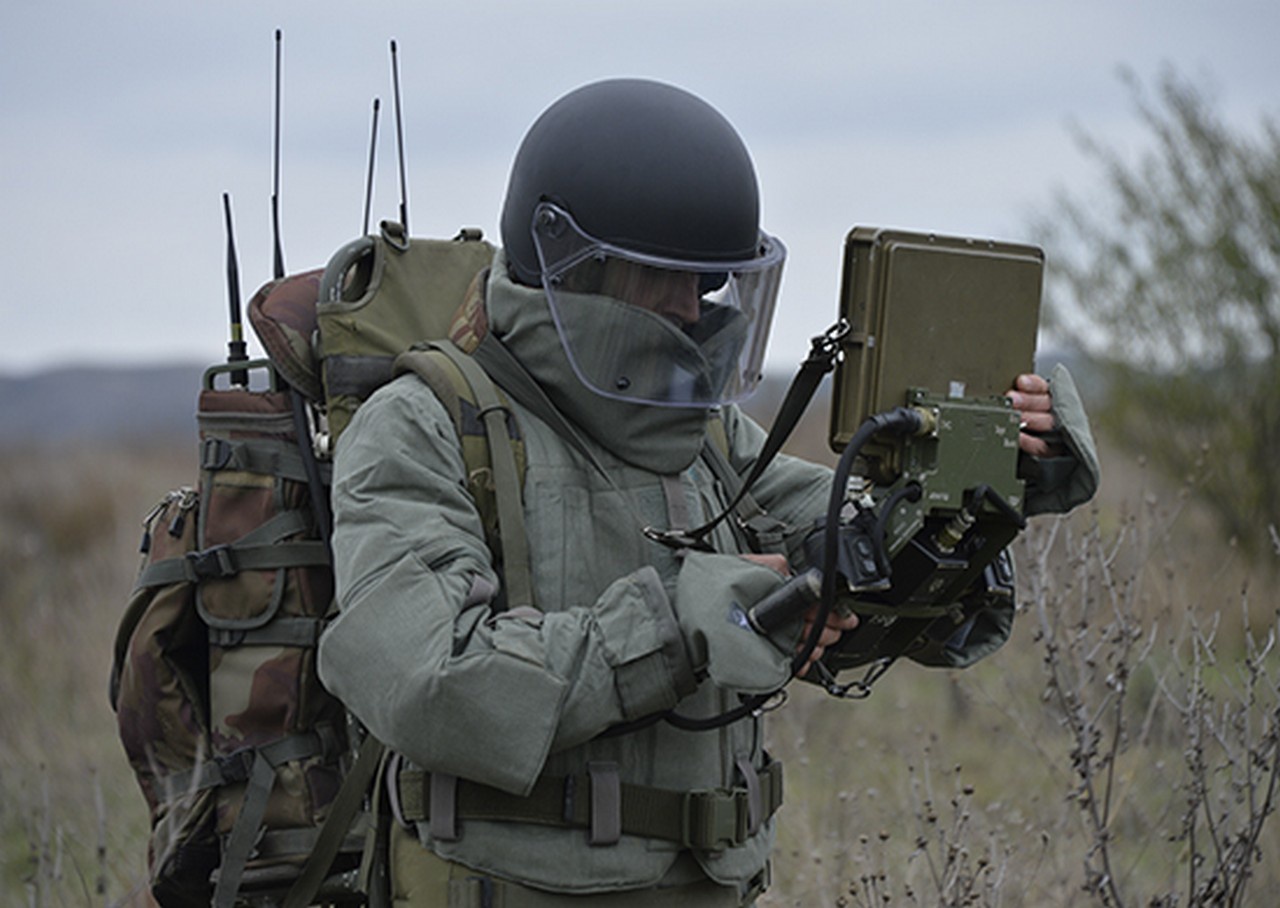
point(606, 804)
point(356, 376)
point(262, 548)
point(708, 819)
point(443, 793)
point(237, 766)
point(266, 456)
point(303, 632)
point(222, 561)
point(677, 506)
point(765, 532)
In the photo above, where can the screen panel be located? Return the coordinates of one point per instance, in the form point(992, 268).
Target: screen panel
point(951, 315)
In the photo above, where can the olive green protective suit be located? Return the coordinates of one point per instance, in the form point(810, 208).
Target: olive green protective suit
point(623, 626)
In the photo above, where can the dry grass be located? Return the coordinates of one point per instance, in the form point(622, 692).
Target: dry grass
point(72, 820)
point(1115, 752)
point(944, 788)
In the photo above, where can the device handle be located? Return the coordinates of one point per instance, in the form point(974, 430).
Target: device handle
point(786, 602)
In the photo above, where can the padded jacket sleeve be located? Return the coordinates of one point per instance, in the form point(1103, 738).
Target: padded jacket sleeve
point(420, 657)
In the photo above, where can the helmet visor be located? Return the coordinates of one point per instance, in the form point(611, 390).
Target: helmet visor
point(656, 330)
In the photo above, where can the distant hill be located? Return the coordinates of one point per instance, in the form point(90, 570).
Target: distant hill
point(86, 404)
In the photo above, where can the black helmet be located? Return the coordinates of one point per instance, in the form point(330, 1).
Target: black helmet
point(638, 164)
point(634, 206)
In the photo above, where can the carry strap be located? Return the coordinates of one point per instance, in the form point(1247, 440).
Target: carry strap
point(824, 352)
point(341, 814)
point(259, 549)
point(508, 483)
point(318, 476)
point(237, 766)
point(259, 455)
point(764, 532)
point(261, 779)
point(508, 372)
point(236, 852)
point(297, 631)
point(707, 819)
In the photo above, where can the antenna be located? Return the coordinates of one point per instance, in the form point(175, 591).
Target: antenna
point(235, 346)
point(404, 188)
point(368, 186)
point(275, 179)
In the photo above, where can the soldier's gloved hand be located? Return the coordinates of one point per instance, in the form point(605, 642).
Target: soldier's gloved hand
point(1062, 471)
point(713, 594)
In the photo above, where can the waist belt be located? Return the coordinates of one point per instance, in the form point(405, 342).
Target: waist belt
point(598, 802)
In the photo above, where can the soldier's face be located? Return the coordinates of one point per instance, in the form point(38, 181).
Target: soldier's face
point(672, 294)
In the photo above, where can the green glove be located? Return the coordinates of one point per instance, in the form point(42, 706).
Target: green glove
point(1058, 484)
point(713, 594)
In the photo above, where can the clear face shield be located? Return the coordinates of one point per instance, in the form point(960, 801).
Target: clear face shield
point(654, 330)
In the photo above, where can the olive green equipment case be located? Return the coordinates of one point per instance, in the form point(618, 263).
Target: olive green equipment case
point(955, 317)
point(942, 325)
point(256, 778)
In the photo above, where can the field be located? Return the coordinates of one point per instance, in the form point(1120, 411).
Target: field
point(1121, 749)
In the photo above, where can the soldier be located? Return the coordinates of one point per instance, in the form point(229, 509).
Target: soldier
point(636, 290)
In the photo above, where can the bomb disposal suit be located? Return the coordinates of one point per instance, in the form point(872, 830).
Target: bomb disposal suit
point(636, 290)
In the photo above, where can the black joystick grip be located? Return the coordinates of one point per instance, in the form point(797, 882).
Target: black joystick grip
point(787, 602)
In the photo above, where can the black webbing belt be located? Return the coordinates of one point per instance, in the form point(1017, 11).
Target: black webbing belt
point(596, 801)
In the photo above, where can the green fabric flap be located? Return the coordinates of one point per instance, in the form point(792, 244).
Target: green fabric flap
point(713, 594)
point(1066, 483)
point(379, 298)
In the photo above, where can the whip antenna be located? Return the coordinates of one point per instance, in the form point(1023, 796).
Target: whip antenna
point(275, 179)
point(235, 346)
point(368, 186)
point(404, 188)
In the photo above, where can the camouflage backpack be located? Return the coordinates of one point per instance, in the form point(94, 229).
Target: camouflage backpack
point(255, 777)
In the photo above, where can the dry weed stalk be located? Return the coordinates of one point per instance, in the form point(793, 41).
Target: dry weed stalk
point(1088, 596)
point(1232, 760)
point(956, 864)
point(963, 871)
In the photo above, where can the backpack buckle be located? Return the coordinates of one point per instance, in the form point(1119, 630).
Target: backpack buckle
point(236, 766)
point(215, 454)
point(713, 820)
point(214, 563)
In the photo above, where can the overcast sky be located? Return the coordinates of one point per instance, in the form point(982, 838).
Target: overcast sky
point(121, 124)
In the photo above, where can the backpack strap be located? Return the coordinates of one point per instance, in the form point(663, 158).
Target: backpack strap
point(341, 815)
point(512, 377)
point(470, 395)
point(260, 763)
point(260, 549)
point(763, 532)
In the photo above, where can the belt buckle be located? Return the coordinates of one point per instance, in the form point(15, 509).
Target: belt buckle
point(714, 820)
